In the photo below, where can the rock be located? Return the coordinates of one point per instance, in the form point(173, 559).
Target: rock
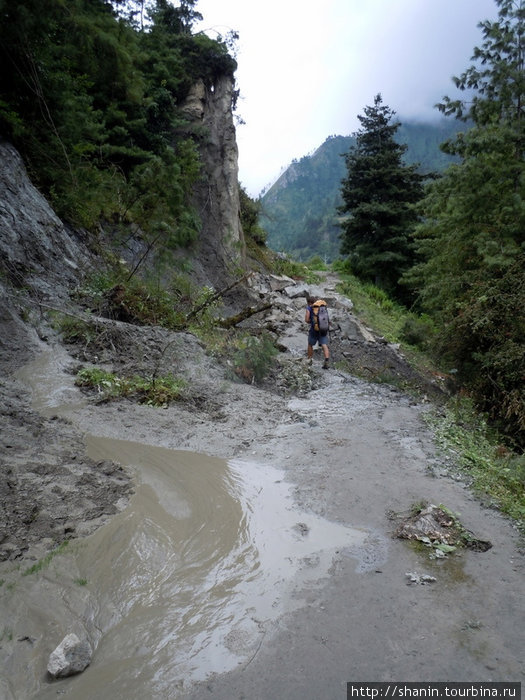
point(278, 283)
point(37, 250)
point(297, 290)
point(71, 656)
point(419, 579)
point(438, 528)
point(220, 247)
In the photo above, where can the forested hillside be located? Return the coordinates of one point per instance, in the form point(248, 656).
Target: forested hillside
point(299, 211)
point(92, 94)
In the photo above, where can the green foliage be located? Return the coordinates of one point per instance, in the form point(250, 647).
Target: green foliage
point(378, 197)
point(374, 305)
point(296, 270)
point(144, 301)
point(471, 240)
point(486, 342)
point(74, 330)
point(254, 357)
point(91, 101)
point(316, 263)
point(250, 212)
point(379, 296)
point(493, 470)
point(45, 561)
point(418, 331)
point(299, 211)
point(153, 391)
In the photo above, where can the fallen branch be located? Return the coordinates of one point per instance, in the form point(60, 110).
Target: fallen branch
point(216, 296)
point(242, 315)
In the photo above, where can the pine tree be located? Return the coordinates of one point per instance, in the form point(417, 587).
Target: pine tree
point(378, 197)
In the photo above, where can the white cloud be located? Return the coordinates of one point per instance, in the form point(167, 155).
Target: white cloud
point(307, 70)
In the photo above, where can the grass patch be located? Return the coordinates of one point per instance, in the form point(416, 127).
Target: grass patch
point(375, 307)
point(251, 356)
point(7, 635)
point(492, 469)
point(411, 331)
point(295, 270)
point(45, 561)
point(81, 581)
point(153, 391)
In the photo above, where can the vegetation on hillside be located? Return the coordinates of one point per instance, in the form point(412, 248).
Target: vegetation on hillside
point(299, 211)
point(90, 95)
point(472, 234)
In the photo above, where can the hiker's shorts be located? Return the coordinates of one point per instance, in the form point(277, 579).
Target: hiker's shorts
point(316, 337)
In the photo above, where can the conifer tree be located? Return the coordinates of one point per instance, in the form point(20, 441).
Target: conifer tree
point(472, 237)
point(378, 196)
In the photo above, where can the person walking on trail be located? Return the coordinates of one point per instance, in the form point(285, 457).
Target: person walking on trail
point(316, 316)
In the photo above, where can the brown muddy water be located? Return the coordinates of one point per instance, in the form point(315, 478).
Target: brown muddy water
point(181, 584)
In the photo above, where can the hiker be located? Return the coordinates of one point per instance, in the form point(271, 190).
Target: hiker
point(319, 327)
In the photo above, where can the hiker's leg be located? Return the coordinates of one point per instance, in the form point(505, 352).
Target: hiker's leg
point(312, 340)
point(323, 341)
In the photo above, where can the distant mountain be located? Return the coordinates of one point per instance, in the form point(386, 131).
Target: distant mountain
point(299, 211)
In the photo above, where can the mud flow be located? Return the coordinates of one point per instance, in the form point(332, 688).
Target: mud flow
point(191, 577)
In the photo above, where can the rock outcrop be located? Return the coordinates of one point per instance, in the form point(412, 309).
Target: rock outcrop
point(37, 251)
point(220, 248)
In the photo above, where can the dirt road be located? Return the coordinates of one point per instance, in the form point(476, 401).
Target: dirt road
point(256, 558)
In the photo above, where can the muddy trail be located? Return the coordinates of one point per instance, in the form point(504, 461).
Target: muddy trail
point(242, 545)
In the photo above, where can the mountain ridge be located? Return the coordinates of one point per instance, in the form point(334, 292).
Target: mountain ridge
point(299, 211)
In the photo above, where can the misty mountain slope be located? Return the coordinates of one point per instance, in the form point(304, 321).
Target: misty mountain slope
point(299, 211)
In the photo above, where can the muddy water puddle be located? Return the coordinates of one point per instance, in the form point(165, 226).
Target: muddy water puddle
point(192, 577)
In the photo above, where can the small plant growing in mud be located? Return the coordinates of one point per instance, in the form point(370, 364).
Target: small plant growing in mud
point(81, 581)
point(7, 635)
point(45, 561)
point(74, 330)
point(153, 391)
point(254, 358)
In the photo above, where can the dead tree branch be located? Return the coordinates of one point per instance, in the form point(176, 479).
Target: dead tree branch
point(244, 314)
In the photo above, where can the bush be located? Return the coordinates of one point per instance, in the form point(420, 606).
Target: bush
point(317, 263)
point(153, 391)
point(417, 331)
point(379, 296)
point(254, 358)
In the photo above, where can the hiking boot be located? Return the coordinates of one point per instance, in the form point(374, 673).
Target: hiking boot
point(326, 363)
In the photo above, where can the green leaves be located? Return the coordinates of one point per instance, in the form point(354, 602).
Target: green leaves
point(91, 100)
point(472, 236)
point(378, 194)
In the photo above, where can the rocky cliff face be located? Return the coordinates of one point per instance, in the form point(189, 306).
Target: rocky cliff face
point(37, 250)
point(220, 249)
point(40, 257)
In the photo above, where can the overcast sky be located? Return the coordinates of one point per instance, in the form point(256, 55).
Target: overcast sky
point(307, 69)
